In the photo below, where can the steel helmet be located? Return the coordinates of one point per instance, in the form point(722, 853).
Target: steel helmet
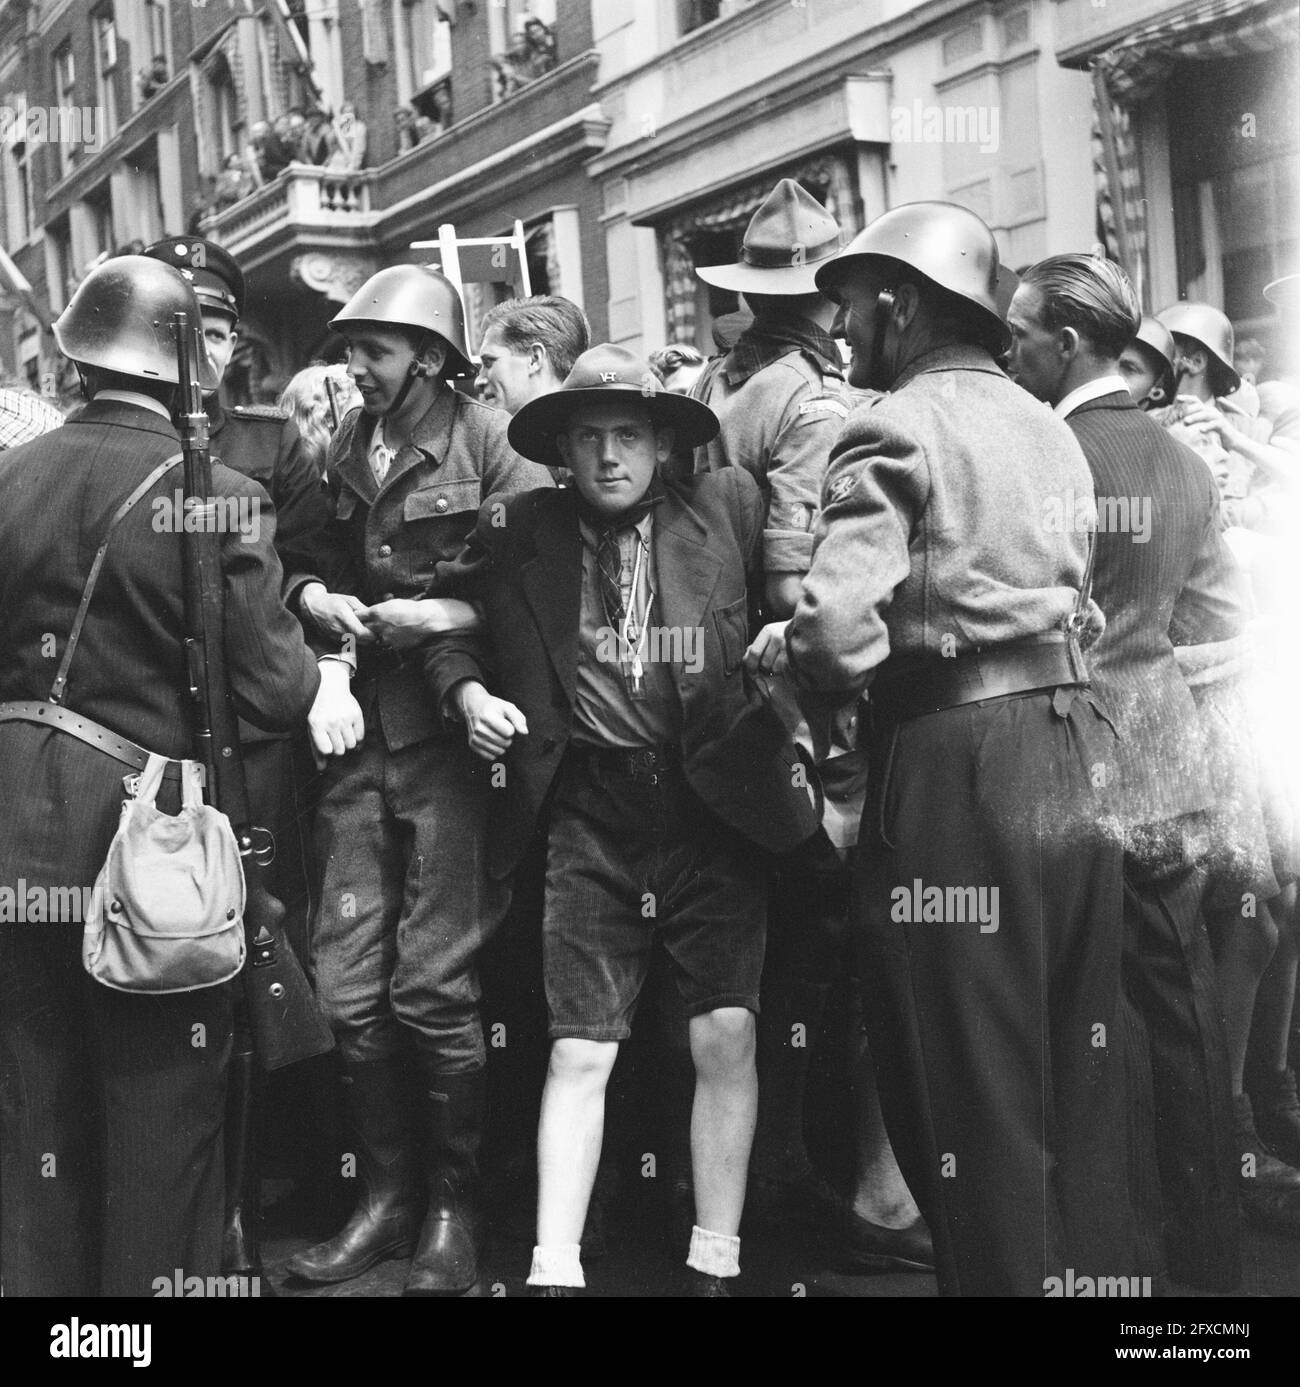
point(120, 319)
point(1155, 335)
point(416, 297)
point(945, 243)
point(1207, 326)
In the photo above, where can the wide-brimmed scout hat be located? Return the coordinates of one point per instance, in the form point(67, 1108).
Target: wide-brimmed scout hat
point(607, 373)
point(789, 236)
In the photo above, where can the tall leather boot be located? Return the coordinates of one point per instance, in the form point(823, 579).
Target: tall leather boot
point(240, 1238)
point(387, 1216)
point(452, 1111)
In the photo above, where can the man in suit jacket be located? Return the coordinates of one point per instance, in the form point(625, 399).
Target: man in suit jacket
point(618, 611)
point(110, 1103)
point(1157, 526)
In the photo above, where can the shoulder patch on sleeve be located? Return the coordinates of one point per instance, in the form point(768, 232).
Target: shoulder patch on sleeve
point(840, 488)
point(824, 405)
point(260, 412)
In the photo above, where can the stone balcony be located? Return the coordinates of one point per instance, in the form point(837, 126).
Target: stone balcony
point(303, 200)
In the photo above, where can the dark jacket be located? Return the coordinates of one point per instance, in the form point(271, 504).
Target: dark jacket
point(526, 565)
point(387, 541)
point(265, 445)
point(1148, 484)
point(61, 799)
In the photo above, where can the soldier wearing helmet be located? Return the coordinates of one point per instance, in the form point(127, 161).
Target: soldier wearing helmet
point(138, 1192)
point(1147, 365)
point(1217, 415)
point(262, 443)
point(406, 902)
point(949, 578)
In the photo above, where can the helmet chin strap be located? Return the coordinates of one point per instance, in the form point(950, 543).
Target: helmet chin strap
point(884, 309)
point(413, 374)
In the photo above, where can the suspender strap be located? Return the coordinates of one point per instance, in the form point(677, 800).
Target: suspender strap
point(61, 678)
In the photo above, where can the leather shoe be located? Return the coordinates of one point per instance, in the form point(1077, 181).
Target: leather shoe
point(1260, 1169)
point(1277, 1115)
point(860, 1245)
point(699, 1285)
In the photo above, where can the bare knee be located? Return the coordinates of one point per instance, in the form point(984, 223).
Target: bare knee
point(587, 1063)
point(722, 1041)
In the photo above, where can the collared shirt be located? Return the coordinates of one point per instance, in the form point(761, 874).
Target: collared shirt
point(764, 342)
point(605, 713)
point(381, 455)
point(1090, 390)
point(134, 397)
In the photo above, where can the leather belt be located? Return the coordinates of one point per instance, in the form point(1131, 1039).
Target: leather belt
point(1043, 662)
point(86, 730)
point(638, 763)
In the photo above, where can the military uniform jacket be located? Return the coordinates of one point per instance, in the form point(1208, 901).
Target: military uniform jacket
point(943, 525)
point(527, 568)
point(778, 421)
point(387, 541)
point(61, 799)
point(264, 444)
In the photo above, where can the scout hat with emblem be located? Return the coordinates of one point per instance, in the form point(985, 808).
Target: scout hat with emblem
point(607, 373)
point(789, 236)
point(217, 280)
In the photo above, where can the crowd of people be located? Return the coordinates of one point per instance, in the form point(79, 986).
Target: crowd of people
point(949, 667)
point(531, 55)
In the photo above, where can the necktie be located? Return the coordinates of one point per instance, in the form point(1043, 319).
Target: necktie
point(609, 565)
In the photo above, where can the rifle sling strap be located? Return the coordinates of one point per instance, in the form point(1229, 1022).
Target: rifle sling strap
point(61, 678)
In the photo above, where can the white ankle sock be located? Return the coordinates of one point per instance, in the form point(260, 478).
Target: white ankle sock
point(557, 1265)
point(715, 1254)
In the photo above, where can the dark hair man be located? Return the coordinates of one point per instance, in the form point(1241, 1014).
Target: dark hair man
point(935, 581)
point(528, 347)
point(125, 1093)
point(406, 902)
point(1157, 536)
point(622, 602)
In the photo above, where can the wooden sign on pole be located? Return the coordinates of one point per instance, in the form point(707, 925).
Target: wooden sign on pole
point(481, 260)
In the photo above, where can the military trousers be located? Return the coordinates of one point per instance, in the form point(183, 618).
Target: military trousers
point(406, 900)
point(988, 909)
